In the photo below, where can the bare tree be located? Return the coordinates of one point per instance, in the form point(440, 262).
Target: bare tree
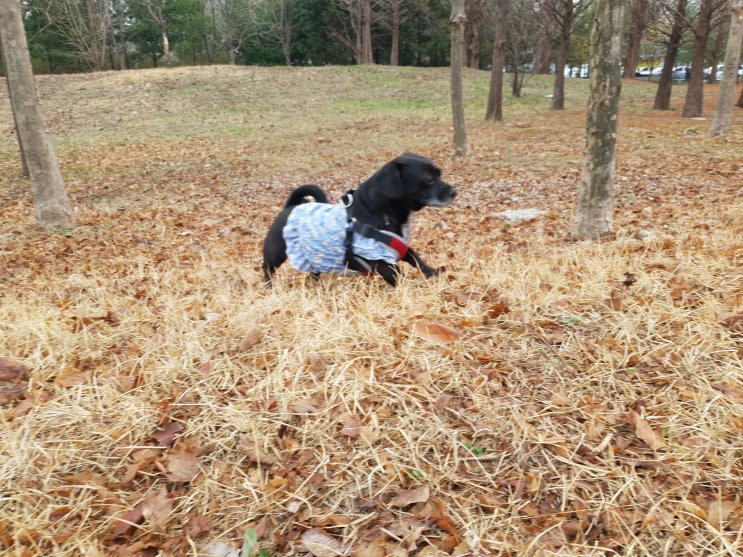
point(525, 28)
point(155, 9)
point(356, 33)
point(640, 18)
point(395, 13)
point(474, 10)
point(52, 206)
point(495, 96)
point(594, 214)
point(280, 25)
point(118, 15)
point(24, 163)
point(563, 14)
point(715, 53)
point(542, 54)
point(457, 22)
point(724, 112)
point(701, 28)
point(85, 25)
point(234, 23)
point(665, 83)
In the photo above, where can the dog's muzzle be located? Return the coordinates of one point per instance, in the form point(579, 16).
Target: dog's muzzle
point(444, 196)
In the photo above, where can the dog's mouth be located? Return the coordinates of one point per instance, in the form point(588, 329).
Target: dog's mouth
point(443, 198)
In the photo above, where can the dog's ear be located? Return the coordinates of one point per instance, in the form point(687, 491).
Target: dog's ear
point(389, 179)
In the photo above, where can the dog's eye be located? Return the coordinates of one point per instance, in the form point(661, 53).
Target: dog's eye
point(430, 180)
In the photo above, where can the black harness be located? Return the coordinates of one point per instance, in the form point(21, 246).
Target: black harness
point(356, 227)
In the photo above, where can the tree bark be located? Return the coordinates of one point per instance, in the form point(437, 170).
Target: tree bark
point(714, 53)
point(457, 22)
point(495, 96)
point(395, 47)
point(24, 164)
point(594, 213)
point(639, 21)
point(475, 47)
point(566, 25)
point(156, 13)
point(665, 84)
point(52, 206)
point(542, 55)
point(724, 112)
point(366, 36)
point(693, 103)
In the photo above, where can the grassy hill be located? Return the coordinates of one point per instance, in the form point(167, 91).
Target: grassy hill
point(542, 397)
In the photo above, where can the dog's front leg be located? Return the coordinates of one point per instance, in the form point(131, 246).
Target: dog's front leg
point(390, 273)
point(412, 258)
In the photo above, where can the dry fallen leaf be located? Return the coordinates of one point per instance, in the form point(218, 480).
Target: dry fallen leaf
point(157, 507)
point(419, 494)
point(498, 309)
point(219, 549)
point(645, 432)
point(321, 544)
point(13, 381)
point(719, 511)
point(182, 467)
point(306, 406)
point(165, 434)
point(734, 323)
point(733, 393)
point(198, 526)
point(127, 523)
point(436, 332)
point(254, 451)
point(253, 337)
point(352, 426)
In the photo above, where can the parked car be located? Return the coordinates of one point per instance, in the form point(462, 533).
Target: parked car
point(720, 68)
point(577, 71)
point(680, 73)
point(718, 74)
point(643, 72)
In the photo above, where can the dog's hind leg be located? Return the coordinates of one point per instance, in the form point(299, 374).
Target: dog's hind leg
point(274, 254)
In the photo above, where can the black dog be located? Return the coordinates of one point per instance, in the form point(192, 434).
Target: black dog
point(367, 233)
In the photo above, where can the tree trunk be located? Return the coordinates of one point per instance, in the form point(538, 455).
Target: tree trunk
point(558, 92)
point(495, 96)
point(475, 47)
point(395, 47)
point(693, 103)
point(724, 112)
point(542, 55)
point(52, 206)
point(739, 104)
point(714, 54)
point(665, 84)
point(457, 22)
point(594, 213)
point(166, 45)
point(638, 24)
point(366, 36)
point(24, 164)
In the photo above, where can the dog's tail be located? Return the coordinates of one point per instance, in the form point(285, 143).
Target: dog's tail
point(297, 197)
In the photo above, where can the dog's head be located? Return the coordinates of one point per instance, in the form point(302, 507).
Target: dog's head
point(413, 181)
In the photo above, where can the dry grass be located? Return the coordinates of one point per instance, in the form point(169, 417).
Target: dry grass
point(579, 399)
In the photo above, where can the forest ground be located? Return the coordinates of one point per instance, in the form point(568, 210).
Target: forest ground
point(541, 397)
